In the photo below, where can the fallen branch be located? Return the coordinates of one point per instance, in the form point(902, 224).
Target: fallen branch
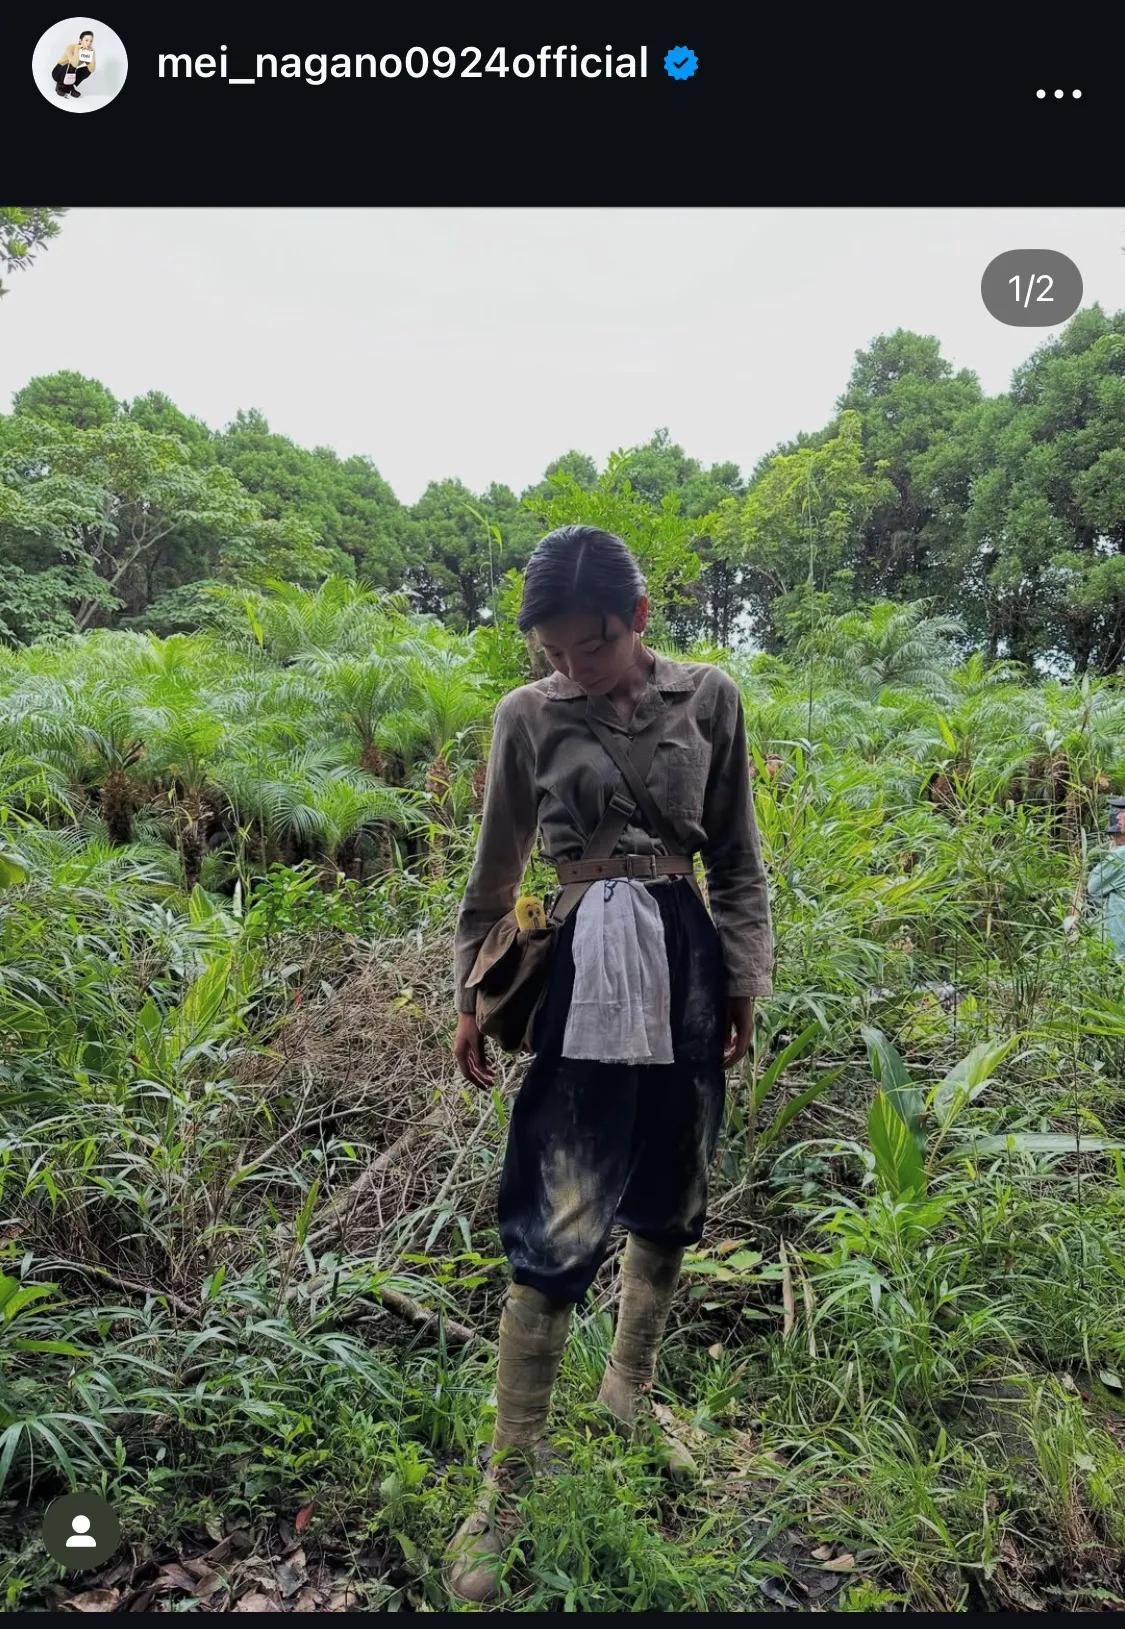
point(787, 1293)
point(446, 1188)
point(810, 1304)
point(130, 1286)
point(352, 1195)
point(404, 1306)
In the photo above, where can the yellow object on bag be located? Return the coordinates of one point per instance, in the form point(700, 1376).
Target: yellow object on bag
point(530, 912)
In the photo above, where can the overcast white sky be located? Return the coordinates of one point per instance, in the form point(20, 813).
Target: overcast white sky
point(484, 343)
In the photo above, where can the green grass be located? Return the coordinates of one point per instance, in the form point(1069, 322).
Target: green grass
point(902, 1340)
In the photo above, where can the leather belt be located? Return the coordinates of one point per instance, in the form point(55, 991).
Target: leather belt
point(638, 866)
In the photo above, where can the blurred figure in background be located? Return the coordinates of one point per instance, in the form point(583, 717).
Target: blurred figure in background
point(1106, 887)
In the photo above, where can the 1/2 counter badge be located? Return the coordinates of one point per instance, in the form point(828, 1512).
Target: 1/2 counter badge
point(1032, 288)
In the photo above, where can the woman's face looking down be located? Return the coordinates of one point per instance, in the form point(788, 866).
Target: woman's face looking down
point(577, 647)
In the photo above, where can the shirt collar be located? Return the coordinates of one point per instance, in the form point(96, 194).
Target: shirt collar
point(667, 675)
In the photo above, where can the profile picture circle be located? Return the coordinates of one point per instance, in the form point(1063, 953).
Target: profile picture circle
point(80, 1531)
point(79, 64)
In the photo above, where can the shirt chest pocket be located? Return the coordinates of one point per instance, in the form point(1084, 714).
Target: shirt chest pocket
point(681, 779)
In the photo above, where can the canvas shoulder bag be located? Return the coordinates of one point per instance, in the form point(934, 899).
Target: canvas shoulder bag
point(510, 973)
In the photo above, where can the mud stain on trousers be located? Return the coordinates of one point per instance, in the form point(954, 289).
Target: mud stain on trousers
point(591, 1145)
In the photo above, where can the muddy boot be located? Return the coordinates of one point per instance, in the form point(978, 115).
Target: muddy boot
point(533, 1333)
point(649, 1274)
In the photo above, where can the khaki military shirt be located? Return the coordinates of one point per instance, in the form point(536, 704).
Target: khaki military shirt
point(548, 772)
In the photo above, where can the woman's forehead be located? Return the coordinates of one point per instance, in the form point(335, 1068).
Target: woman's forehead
point(575, 629)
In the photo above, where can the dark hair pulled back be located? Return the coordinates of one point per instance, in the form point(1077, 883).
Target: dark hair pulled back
point(580, 568)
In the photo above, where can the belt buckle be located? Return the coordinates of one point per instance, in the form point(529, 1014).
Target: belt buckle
point(640, 865)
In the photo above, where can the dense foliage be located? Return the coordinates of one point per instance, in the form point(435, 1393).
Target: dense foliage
point(249, 1267)
point(1007, 511)
point(237, 1165)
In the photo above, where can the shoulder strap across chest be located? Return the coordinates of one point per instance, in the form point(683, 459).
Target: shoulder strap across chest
point(621, 808)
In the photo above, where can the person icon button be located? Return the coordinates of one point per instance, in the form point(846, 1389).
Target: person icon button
point(80, 1537)
point(80, 1531)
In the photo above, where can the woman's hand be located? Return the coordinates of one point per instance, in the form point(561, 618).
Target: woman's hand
point(468, 1049)
point(740, 1029)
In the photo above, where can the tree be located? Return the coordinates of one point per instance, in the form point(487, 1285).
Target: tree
point(798, 528)
point(339, 616)
point(460, 545)
point(577, 464)
point(158, 414)
point(23, 232)
point(658, 534)
point(366, 521)
point(661, 474)
point(186, 737)
point(345, 508)
point(661, 469)
point(888, 647)
point(108, 729)
point(1041, 540)
point(68, 401)
point(910, 402)
point(99, 521)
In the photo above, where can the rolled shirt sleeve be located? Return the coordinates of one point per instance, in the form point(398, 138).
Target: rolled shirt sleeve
point(737, 890)
point(509, 820)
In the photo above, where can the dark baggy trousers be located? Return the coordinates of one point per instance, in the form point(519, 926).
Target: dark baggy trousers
point(61, 68)
point(591, 1144)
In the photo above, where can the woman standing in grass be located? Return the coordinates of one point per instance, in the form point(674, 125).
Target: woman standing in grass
point(649, 999)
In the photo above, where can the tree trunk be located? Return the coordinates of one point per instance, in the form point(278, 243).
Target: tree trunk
point(439, 782)
point(117, 806)
point(350, 858)
point(191, 851)
point(386, 849)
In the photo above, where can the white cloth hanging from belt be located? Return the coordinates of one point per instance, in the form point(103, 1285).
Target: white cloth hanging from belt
point(620, 1011)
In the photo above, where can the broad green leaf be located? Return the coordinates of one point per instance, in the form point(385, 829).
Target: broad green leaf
point(966, 1079)
point(14, 1296)
point(898, 1159)
point(1041, 1142)
point(769, 1077)
point(214, 1284)
point(790, 1110)
point(63, 1348)
point(203, 1000)
point(893, 1077)
point(9, 1442)
point(886, 1062)
point(201, 908)
point(743, 1260)
point(12, 869)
